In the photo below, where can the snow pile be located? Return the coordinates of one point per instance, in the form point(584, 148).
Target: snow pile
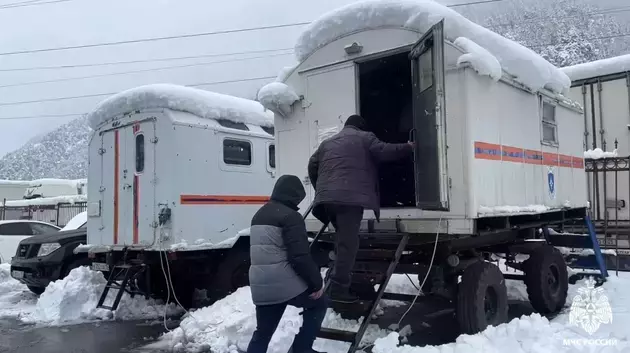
point(481, 60)
point(76, 221)
point(74, 298)
point(15, 182)
point(483, 210)
point(277, 97)
point(48, 201)
point(228, 325)
point(73, 183)
point(15, 297)
point(536, 334)
point(419, 15)
point(205, 104)
point(598, 154)
point(603, 67)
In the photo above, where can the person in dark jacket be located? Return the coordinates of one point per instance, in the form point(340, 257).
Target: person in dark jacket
point(282, 271)
point(344, 172)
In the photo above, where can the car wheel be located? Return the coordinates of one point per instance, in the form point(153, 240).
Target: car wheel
point(36, 290)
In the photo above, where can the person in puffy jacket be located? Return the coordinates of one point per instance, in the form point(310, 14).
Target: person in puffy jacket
point(282, 271)
point(344, 172)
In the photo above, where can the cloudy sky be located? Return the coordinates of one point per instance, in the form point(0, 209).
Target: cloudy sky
point(32, 25)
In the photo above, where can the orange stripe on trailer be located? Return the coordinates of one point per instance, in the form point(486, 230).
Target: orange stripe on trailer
point(512, 154)
point(577, 162)
point(116, 182)
point(136, 197)
point(533, 157)
point(222, 200)
point(489, 151)
point(565, 161)
point(550, 159)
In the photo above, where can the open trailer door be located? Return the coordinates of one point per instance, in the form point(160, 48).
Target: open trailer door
point(427, 69)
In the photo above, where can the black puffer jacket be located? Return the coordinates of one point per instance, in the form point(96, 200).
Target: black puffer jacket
point(281, 263)
point(344, 169)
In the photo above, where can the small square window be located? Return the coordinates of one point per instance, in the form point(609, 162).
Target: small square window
point(549, 125)
point(237, 152)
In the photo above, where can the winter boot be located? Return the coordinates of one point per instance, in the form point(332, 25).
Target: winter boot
point(341, 294)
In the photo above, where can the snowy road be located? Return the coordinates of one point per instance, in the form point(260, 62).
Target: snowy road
point(102, 337)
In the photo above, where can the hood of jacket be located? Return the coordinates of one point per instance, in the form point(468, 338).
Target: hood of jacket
point(289, 191)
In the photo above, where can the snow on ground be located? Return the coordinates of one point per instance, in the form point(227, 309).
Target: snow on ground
point(228, 325)
point(536, 334)
point(14, 296)
point(598, 153)
point(72, 300)
point(204, 104)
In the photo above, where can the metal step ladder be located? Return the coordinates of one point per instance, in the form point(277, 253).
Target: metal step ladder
point(577, 241)
point(119, 279)
point(373, 263)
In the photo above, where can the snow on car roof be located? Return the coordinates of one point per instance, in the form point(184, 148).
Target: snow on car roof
point(598, 68)
point(205, 104)
point(528, 67)
point(28, 221)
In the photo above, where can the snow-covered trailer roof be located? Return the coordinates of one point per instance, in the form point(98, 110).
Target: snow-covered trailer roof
point(202, 103)
point(521, 63)
point(599, 68)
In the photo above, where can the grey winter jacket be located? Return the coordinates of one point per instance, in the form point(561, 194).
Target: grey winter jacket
point(344, 169)
point(281, 264)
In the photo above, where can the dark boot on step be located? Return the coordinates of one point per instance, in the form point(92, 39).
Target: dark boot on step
point(307, 351)
point(341, 294)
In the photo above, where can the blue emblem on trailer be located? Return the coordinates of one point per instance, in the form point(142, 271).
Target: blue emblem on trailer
point(551, 182)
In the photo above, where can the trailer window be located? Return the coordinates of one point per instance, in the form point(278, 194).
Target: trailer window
point(272, 156)
point(139, 153)
point(232, 125)
point(549, 125)
point(237, 152)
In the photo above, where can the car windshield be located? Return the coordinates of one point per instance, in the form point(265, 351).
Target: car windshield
point(76, 222)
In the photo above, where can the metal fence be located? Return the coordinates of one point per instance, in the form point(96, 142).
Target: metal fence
point(608, 182)
point(59, 214)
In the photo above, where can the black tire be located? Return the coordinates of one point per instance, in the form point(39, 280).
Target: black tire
point(231, 274)
point(36, 290)
point(547, 280)
point(481, 298)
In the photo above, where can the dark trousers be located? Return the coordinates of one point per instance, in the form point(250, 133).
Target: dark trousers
point(347, 222)
point(268, 317)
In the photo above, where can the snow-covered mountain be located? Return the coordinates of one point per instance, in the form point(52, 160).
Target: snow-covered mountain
point(62, 153)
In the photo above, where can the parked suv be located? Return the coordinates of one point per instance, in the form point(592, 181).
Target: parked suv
point(12, 232)
point(46, 258)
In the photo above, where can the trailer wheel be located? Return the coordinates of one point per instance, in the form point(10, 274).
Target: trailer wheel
point(232, 273)
point(37, 290)
point(481, 298)
point(547, 279)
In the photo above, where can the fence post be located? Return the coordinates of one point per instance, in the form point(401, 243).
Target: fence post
point(4, 207)
point(57, 218)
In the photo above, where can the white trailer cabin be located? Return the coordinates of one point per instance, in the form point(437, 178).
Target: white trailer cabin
point(176, 168)
point(50, 187)
point(603, 89)
point(495, 134)
point(12, 189)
